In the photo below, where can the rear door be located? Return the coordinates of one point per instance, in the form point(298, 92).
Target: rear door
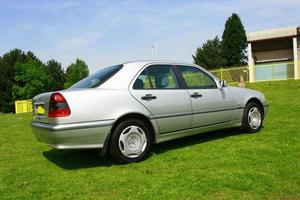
point(158, 89)
point(210, 104)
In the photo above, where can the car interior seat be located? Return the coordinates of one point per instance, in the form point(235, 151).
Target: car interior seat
point(139, 84)
point(162, 81)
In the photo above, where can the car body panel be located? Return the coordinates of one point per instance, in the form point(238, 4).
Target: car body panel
point(97, 104)
point(73, 136)
point(215, 106)
point(171, 108)
point(196, 130)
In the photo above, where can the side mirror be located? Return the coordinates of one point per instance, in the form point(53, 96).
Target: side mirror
point(223, 83)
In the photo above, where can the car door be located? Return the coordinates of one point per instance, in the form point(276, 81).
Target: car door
point(210, 104)
point(158, 89)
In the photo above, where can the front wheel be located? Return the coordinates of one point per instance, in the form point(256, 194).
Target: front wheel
point(252, 118)
point(131, 141)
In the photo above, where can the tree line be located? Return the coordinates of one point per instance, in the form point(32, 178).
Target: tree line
point(23, 75)
point(228, 52)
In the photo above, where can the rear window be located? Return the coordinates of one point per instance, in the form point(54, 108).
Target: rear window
point(97, 78)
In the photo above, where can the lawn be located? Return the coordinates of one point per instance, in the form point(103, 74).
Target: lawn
point(226, 164)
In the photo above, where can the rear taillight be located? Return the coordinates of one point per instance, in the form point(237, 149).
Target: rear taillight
point(58, 106)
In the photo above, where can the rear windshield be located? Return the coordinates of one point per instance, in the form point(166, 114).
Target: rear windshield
point(97, 78)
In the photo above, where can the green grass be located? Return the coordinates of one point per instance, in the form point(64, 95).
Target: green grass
point(225, 164)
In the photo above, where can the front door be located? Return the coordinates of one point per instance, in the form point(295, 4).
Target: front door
point(158, 89)
point(210, 104)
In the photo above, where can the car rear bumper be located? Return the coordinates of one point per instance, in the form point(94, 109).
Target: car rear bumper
point(73, 136)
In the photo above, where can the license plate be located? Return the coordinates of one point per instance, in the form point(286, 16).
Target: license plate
point(40, 110)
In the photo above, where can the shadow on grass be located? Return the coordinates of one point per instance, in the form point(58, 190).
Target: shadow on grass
point(195, 139)
point(76, 159)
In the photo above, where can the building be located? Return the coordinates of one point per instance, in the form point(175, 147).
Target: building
point(274, 54)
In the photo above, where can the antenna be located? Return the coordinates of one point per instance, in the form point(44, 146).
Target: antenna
point(154, 50)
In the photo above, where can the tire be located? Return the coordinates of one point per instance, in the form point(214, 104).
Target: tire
point(131, 141)
point(252, 118)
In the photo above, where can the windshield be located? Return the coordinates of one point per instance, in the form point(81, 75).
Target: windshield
point(97, 78)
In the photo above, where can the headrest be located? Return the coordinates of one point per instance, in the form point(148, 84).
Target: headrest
point(162, 81)
point(139, 84)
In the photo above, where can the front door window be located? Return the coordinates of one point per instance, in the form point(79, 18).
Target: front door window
point(196, 79)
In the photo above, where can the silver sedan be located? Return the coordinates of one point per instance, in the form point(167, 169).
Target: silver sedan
point(126, 108)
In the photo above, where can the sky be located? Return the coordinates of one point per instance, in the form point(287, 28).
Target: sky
point(108, 32)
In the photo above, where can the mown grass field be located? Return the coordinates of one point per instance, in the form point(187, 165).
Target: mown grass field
point(226, 164)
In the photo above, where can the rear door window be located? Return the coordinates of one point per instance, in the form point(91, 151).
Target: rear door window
point(157, 77)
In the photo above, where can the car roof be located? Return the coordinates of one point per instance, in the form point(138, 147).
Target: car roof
point(146, 62)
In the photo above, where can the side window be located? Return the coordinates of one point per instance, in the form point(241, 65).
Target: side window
point(196, 79)
point(142, 82)
point(157, 77)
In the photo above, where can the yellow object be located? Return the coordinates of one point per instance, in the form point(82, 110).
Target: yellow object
point(40, 110)
point(23, 106)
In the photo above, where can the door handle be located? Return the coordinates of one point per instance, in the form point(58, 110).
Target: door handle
point(148, 97)
point(196, 95)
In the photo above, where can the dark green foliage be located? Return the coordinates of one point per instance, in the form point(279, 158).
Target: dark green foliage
point(228, 52)
point(234, 41)
point(57, 75)
point(31, 55)
point(24, 75)
point(75, 72)
point(209, 55)
point(7, 63)
point(30, 79)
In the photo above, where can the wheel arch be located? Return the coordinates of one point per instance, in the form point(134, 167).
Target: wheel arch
point(123, 118)
point(258, 102)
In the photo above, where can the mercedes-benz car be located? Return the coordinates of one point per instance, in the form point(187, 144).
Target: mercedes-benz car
point(124, 109)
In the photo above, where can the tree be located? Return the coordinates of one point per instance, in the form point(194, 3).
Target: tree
point(234, 42)
point(209, 55)
point(1, 84)
point(31, 55)
point(30, 79)
point(57, 75)
point(7, 64)
point(75, 72)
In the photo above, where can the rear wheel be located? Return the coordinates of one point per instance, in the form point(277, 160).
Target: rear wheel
point(131, 141)
point(252, 118)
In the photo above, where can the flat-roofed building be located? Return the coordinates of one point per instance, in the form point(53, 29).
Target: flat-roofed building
point(279, 47)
